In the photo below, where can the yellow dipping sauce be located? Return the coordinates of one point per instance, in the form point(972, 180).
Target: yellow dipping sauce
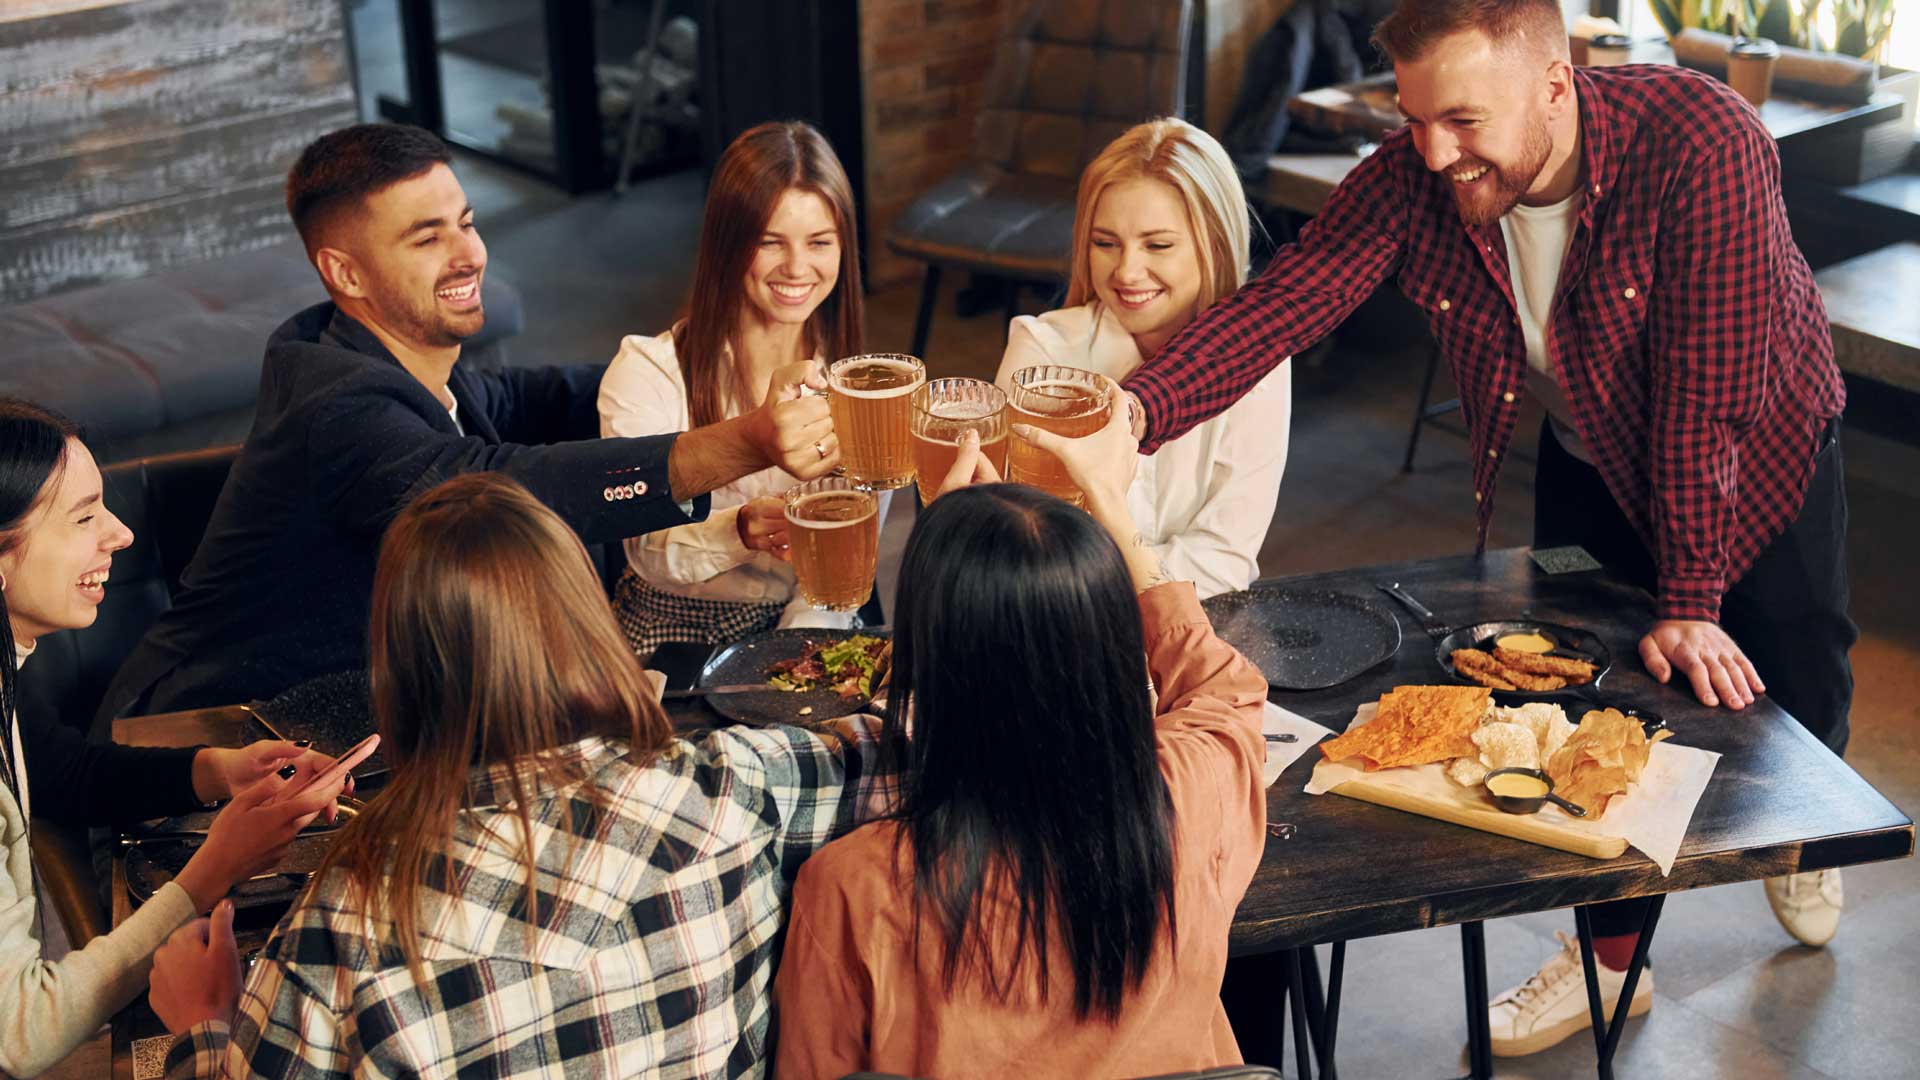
point(1526, 643)
point(1517, 786)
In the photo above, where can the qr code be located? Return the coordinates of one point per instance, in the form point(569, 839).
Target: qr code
point(150, 1057)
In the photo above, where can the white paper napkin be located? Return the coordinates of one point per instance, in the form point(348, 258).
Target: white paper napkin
point(1653, 814)
point(1306, 734)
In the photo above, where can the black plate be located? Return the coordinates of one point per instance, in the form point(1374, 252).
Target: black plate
point(748, 661)
point(334, 711)
point(1304, 639)
point(1568, 641)
point(153, 863)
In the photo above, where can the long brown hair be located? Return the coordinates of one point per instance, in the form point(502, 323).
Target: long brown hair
point(491, 644)
point(764, 163)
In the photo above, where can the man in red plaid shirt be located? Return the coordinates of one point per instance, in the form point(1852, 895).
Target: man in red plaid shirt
point(1614, 243)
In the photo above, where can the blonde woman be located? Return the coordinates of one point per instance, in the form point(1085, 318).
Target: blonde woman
point(1160, 232)
point(776, 282)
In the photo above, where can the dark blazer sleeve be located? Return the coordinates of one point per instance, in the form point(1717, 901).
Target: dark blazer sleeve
point(77, 782)
point(545, 405)
point(371, 447)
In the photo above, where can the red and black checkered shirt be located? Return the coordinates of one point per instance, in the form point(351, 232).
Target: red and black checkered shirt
point(1687, 330)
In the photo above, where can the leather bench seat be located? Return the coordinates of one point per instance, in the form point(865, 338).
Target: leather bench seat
point(172, 361)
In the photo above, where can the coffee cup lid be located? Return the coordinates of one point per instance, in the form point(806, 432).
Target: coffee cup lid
point(1755, 47)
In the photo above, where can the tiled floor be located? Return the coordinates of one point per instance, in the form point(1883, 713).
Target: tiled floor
point(1736, 998)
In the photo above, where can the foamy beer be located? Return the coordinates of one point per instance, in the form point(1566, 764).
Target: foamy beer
point(1067, 401)
point(869, 397)
point(833, 527)
point(944, 410)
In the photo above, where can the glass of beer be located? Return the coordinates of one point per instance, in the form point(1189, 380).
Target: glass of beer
point(869, 398)
point(833, 529)
point(944, 410)
point(1067, 401)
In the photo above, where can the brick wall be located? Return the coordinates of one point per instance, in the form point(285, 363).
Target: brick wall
point(923, 64)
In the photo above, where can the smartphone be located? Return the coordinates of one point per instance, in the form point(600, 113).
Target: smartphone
point(335, 772)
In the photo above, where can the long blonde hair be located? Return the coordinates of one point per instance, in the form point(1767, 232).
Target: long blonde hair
point(1194, 164)
point(491, 643)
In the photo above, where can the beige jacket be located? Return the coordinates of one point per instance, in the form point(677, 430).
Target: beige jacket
point(47, 1010)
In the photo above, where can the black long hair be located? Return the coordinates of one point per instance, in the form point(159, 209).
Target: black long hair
point(1018, 657)
point(33, 451)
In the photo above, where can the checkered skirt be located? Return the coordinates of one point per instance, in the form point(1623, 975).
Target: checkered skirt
point(651, 616)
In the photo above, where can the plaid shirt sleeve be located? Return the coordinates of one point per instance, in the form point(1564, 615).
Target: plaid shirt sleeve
point(1342, 255)
point(820, 785)
point(1708, 335)
point(279, 1029)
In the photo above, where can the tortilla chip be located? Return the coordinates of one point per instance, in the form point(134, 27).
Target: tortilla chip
point(1415, 725)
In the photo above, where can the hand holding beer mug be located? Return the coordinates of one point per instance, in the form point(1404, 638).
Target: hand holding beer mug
point(1066, 401)
point(870, 399)
point(970, 466)
point(943, 411)
point(793, 427)
point(762, 525)
point(1101, 464)
point(833, 527)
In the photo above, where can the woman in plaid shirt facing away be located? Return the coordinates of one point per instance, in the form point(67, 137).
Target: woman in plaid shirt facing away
point(551, 881)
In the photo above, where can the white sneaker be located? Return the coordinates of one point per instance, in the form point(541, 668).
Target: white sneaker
point(1808, 905)
point(1553, 1004)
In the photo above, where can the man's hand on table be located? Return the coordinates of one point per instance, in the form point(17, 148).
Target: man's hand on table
point(196, 974)
point(218, 772)
point(1719, 671)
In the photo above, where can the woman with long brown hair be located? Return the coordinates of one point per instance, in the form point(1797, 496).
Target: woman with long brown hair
point(776, 282)
point(550, 880)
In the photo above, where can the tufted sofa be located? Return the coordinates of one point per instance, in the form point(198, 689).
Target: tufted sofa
point(172, 361)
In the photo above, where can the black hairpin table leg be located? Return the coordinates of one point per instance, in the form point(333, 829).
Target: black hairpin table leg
point(1473, 961)
point(1606, 1033)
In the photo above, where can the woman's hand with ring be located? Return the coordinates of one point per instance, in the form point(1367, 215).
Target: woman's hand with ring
point(763, 526)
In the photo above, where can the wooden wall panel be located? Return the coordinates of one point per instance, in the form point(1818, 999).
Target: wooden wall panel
point(157, 132)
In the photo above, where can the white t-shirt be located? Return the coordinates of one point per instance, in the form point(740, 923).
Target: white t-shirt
point(1537, 239)
point(1205, 500)
point(643, 393)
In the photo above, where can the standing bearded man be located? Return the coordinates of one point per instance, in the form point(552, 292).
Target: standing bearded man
point(1614, 243)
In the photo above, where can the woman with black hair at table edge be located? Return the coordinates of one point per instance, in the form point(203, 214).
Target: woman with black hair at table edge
point(57, 541)
point(1054, 893)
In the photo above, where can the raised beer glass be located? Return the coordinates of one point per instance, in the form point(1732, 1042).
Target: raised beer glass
point(944, 410)
point(1067, 401)
point(833, 527)
point(868, 396)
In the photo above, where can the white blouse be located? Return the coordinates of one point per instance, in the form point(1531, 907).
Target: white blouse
point(1204, 500)
point(643, 393)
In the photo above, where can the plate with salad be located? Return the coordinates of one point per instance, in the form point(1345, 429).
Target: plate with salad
point(797, 676)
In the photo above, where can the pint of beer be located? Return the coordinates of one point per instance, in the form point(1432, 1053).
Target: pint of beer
point(944, 410)
point(833, 527)
point(1064, 400)
point(868, 396)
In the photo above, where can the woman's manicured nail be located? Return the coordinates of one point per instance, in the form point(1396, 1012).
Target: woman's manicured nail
point(286, 773)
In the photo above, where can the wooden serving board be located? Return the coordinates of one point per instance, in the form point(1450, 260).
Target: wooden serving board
point(1548, 830)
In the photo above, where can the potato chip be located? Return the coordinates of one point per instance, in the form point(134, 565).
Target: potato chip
point(1601, 759)
point(1467, 772)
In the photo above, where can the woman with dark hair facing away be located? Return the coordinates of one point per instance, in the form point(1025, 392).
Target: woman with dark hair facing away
point(550, 881)
point(776, 282)
point(1053, 895)
point(57, 542)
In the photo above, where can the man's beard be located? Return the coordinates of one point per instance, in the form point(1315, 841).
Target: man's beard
point(425, 323)
point(1510, 183)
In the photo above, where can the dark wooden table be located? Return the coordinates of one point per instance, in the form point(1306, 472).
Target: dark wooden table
point(1779, 800)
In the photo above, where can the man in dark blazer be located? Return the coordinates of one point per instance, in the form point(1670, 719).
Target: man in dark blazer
point(363, 405)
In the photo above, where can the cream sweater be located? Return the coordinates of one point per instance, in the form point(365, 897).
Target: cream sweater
point(46, 1010)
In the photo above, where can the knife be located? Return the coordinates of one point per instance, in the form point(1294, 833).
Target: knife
point(1434, 627)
